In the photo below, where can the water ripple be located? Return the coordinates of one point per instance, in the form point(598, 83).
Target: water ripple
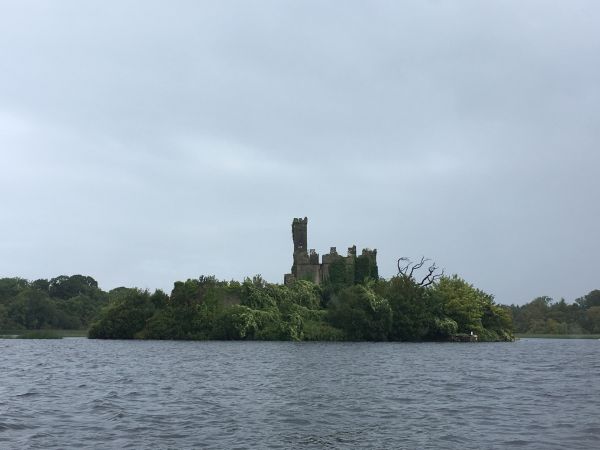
point(77, 393)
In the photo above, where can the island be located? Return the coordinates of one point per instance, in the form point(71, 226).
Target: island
point(336, 298)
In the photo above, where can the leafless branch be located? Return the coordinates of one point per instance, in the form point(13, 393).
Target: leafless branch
point(403, 270)
point(408, 269)
point(417, 266)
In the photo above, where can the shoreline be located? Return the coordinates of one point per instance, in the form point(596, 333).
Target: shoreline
point(556, 336)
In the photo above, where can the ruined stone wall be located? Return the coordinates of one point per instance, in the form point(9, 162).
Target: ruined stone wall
point(306, 265)
point(310, 272)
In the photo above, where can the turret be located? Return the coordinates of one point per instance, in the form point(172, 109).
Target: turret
point(299, 227)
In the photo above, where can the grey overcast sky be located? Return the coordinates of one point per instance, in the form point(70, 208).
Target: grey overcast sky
point(144, 142)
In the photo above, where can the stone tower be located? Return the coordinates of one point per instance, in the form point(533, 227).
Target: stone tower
point(299, 227)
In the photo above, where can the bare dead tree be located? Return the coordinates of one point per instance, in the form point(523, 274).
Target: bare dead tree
point(408, 269)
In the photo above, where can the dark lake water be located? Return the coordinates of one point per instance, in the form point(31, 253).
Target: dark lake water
point(78, 393)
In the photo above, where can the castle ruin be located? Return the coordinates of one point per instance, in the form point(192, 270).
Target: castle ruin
point(334, 267)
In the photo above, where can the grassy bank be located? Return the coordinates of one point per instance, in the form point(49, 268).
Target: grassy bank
point(559, 336)
point(42, 334)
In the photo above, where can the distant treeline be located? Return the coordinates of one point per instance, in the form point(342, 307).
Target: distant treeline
point(399, 309)
point(206, 308)
point(65, 302)
point(543, 315)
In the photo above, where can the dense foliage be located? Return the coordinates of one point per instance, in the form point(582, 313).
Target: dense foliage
point(66, 302)
point(545, 316)
point(342, 309)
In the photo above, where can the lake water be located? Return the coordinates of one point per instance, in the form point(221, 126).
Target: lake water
point(79, 393)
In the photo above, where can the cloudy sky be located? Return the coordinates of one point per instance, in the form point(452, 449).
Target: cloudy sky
point(144, 142)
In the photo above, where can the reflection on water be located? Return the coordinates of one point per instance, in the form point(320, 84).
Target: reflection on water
point(78, 393)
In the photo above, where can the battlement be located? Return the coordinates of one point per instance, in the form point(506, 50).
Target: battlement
point(313, 257)
point(332, 256)
point(369, 253)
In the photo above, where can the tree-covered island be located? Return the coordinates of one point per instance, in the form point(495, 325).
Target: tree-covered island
point(341, 298)
point(399, 309)
point(375, 310)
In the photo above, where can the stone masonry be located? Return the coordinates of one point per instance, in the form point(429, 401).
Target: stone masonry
point(306, 264)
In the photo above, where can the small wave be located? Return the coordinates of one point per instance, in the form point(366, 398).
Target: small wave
point(516, 443)
point(28, 394)
point(295, 421)
point(280, 404)
point(7, 426)
point(117, 416)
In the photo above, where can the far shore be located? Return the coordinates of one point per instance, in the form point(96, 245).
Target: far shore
point(59, 334)
point(557, 336)
point(42, 334)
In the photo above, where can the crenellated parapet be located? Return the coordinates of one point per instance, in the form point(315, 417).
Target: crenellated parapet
point(332, 256)
point(313, 257)
point(372, 254)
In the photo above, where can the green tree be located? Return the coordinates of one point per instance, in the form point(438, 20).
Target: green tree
point(590, 300)
point(186, 294)
point(463, 303)
point(10, 287)
point(305, 293)
point(41, 285)
point(124, 316)
point(32, 309)
point(415, 309)
point(592, 316)
point(474, 310)
point(70, 286)
point(237, 322)
point(361, 314)
point(255, 295)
